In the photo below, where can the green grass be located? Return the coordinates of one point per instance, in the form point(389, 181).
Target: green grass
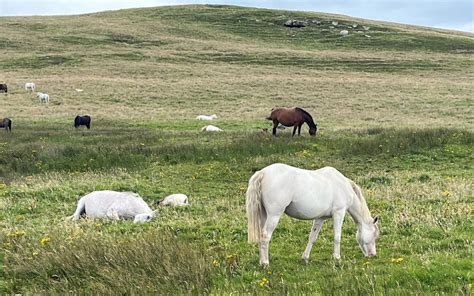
point(393, 112)
point(424, 211)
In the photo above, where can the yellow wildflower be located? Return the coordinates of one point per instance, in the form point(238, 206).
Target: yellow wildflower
point(397, 260)
point(446, 193)
point(17, 233)
point(215, 263)
point(45, 240)
point(263, 282)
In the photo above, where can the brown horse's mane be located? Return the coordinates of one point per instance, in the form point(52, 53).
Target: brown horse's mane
point(309, 117)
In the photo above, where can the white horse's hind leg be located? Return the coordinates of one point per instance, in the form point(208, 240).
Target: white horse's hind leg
point(267, 231)
point(317, 224)
point(338, 218)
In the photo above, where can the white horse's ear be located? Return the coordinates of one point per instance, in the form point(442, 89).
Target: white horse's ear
point(376, 220)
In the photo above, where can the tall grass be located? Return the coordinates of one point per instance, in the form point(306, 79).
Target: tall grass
point(147, 262)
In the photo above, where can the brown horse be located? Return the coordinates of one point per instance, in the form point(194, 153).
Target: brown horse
point(7, 124)
point(292, 117)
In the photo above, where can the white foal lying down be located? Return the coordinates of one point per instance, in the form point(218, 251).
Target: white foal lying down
point(211, 128)
point(206, 117)
point(113, 205)
point(308, 195)
point(175, 200)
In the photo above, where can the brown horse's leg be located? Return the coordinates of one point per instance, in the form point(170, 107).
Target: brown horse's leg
point(275, 124)
point(299, 129)
point(294, 130)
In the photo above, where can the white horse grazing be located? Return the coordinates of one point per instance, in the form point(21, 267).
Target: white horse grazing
point(308, 195)
point(175, 200)
point(206, 117)
point(113, 205)
point(30, 86)
point(211, 128)
point(43, 98)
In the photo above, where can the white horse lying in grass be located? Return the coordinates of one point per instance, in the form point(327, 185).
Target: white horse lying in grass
point(308, 195)
point(211, 128)
point(175, 200)
point(43, 98)
point(113, 205)
point(206, 117)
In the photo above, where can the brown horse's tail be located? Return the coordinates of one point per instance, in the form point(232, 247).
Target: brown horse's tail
point(268, 118)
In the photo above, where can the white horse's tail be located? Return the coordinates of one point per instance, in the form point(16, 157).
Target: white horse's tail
point(254, 207)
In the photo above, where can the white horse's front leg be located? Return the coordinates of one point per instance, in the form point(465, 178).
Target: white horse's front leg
point(112, 214)
point(267, 231)
point(338, 218)
point(313, 235)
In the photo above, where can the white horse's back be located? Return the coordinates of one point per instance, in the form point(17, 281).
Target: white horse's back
point(307, 194)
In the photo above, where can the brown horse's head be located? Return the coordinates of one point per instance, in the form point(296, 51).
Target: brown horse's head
point(313, 130)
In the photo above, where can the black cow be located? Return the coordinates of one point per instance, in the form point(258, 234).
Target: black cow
point(82, 120)
point(7, 124)
point(3, 88)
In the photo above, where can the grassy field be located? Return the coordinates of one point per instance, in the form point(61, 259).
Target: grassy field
point(394, 111)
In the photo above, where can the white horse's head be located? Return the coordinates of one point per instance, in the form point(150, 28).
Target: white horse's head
point(214, 116)
point(367, 234)
point(140, 218)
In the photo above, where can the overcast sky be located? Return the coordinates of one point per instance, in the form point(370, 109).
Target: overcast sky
point(449, 14)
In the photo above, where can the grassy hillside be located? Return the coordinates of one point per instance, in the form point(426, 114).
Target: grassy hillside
point(394, 111)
